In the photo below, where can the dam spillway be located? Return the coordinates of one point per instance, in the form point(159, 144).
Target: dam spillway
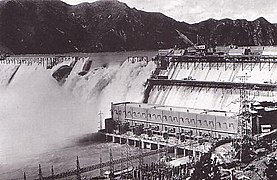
point(213, 85)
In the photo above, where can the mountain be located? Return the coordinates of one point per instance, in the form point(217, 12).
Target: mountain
point(240, 32)
point(52, 26)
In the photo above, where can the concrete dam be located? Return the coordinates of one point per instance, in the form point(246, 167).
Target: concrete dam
point(213, 85)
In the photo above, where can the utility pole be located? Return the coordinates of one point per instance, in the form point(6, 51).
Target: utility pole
point(52, 172)
point(121, 166)
point(78, 173)
point(40, 177)
point(140, 160)
point(24, 176)
point(101, 168)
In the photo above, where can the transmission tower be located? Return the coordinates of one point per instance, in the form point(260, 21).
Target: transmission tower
point(244, 117)
point(111, 164)
point(140, 158)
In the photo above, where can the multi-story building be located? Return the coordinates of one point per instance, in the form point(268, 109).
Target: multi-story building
point(177, 120)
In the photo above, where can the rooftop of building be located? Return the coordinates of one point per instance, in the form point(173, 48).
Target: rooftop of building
point(179, 109)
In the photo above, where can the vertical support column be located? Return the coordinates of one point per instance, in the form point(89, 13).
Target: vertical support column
point(193, 152)
point(242, 65)
point(141, 144)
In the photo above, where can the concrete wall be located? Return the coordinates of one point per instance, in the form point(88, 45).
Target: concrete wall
point(213, 98)
point(225, 72)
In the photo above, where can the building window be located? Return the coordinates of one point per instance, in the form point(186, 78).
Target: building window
point(143, 115)
point(187, 120)
point(199, 122)
point(175, 119)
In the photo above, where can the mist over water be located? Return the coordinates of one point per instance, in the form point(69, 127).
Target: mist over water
point(38, 116)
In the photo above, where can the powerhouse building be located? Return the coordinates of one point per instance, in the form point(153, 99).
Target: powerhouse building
point(176, 120)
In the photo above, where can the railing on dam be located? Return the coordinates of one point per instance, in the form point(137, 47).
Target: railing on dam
point(78, 171)
point(222, 58)
point(213, 84)
point(45, 61)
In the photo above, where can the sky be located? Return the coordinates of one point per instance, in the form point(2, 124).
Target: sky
point(192, 11)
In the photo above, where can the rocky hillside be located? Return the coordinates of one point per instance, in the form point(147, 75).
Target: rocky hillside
point(240, 32)
point(52, 26)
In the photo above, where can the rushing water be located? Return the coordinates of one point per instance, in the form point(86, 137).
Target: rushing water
point(41, 120)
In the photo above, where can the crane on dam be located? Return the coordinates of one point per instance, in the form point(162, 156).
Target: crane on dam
point(197, 46)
